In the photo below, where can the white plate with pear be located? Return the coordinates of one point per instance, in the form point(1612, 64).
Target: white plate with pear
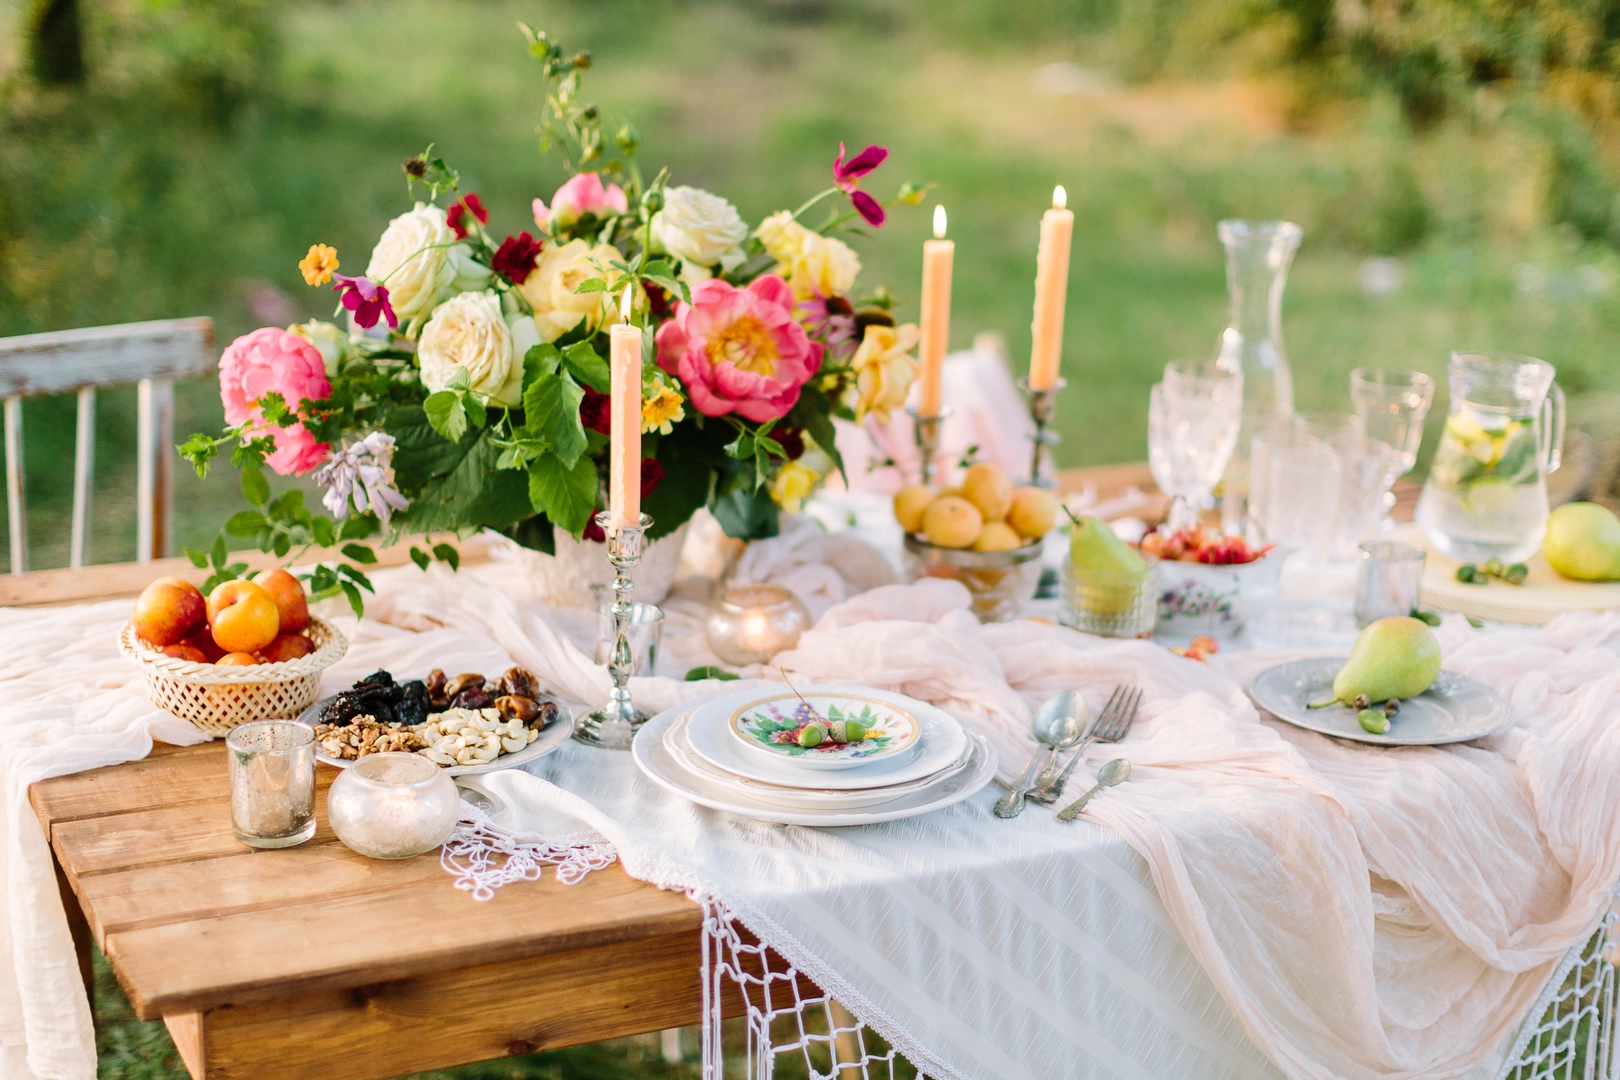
point(1394, 659)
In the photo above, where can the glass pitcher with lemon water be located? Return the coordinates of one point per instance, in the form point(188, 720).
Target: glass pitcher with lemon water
point(1486, 495)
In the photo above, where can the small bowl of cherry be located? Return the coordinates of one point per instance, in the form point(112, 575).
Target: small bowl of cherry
point(1208, 582)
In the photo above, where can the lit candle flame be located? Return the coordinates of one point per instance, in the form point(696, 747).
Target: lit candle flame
point(1060, 198)
point(939, 223)
point(624, 305)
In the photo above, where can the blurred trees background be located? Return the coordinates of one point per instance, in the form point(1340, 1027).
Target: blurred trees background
point(1453, 163)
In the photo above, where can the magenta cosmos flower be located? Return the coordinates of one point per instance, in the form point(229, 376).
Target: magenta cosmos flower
point(739, 350)
point(273, 361)
point(847, 175)
point(366, 299)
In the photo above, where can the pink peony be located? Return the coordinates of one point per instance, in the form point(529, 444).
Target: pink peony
point(273, 361)
point(584, 194)
point(739, 350)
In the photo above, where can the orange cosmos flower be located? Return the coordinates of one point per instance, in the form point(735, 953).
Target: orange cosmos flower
point(318, 265)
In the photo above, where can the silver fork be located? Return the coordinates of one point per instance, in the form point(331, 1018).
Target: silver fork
point(1112, 725)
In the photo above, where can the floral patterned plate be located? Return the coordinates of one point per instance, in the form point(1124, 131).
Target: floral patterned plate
point(772, 725)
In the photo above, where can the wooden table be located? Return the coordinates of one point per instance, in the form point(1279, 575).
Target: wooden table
point(317, 962)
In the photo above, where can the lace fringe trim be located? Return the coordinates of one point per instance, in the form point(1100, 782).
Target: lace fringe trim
point(483, 856)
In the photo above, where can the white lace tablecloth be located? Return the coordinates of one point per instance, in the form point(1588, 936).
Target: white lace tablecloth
point(1255, 900)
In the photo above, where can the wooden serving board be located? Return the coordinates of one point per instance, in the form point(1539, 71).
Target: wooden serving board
point(1544, 594)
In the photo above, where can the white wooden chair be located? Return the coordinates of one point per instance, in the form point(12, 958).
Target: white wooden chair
point(152, 354)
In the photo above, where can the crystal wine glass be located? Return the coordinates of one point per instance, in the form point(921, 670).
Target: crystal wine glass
point(1193, 421)
point(1392, 406)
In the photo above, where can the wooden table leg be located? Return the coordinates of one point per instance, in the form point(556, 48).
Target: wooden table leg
point(79, 927)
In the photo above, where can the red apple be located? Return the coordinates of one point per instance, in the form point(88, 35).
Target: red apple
point(203, 642)
point(237, 659)
point(286, 647)
point(242, 617)
point(288, 594)
point(183, 651)
point(168, 610)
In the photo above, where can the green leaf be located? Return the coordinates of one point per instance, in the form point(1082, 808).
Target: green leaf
point(673, 286)
point(360, 553)
point(420, 453)
point(356, 601)
point(475, 492)
point(199, 559)
point(358, 527)
point(448, 554)
point(324, 531)
point(250, 453)
point(540, 360)
point(274, 409)
point(588, 367)
point(219, 553)
point(709, 671)
point(287, 505)
point(551, 412)
point(590, 285)
point(747, 514)
point(420, 558)
point(565, 495)
point(355, 575)
point(476, 411)
point(255, 487)
point(200, 451)
point(236, 569)
point(444, 411)
point(282, 545)
point(813, 412)
point(461, 379)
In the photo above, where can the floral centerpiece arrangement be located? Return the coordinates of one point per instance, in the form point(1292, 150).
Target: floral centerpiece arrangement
point(469, 390)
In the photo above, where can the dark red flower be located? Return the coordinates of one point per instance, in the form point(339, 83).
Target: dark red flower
point(593, 531)
point(847, 175)
point(652, 474)
point(594, 412)
point(657, 301)
point(457, 215)
point(792, 440)
point(366, 299)
point(514, 259)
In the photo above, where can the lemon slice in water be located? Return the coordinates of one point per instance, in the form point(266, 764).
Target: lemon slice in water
point(1490, 494)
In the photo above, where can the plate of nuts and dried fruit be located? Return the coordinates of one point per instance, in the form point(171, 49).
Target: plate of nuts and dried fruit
point(464, 723)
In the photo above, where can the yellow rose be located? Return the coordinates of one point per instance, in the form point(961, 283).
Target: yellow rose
point(884, 370)
point(812, 263)
point(793, 484)
point(551, 289)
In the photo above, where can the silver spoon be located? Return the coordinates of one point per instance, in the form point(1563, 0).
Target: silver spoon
point(1114, 772)
point(1058, 723)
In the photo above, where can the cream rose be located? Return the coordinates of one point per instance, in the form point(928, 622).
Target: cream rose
point(812, 263)
point(469, 333)
point(413, 261)
point(884, 370)
point(700, 229)
point(551, 289)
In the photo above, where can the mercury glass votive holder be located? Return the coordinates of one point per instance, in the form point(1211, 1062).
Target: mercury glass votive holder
point(271, 764)
point(393, 806)
point(749, 624)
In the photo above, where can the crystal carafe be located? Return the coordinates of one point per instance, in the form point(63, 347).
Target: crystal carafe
point(1486, 494)
point(1258, 254)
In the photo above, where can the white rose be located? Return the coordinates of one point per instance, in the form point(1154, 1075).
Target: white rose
point(700, 229)
point(331, 342)
point(552, 289)
point(813, 264)
point(412, 261)
point(468, 332)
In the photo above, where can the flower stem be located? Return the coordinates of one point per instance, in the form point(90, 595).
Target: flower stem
point(813, 200)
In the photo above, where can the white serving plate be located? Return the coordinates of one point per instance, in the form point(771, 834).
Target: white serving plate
point(551, 737)
point(943, 741)
point(652, 756)
point(895, 732)
point(1455, 709)
point(675, 742)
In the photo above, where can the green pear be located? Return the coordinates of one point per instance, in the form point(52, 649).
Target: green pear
point(1583, 542)
point(1109, 571)
point(1397, 657)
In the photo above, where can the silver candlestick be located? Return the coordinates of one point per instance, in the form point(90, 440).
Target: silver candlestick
point(616, 723)
point(1041, 403)
point(926, 428)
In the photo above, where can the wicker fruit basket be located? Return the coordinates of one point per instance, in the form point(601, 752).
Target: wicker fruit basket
point(217, 699)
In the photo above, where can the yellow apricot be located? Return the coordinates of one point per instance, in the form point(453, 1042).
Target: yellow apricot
point(1033, 512)
point(998, 536)
point(909, 504)
point(952, 522)
point(988, 488)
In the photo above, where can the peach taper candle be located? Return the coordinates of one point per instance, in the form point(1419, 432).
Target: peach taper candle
point(938, 255)
point(624, 455)
point(1051, 288)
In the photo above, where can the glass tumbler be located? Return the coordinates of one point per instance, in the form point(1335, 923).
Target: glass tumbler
point(1109, 603)
point(646, 635)
point(1302, 498)
point(272, 772)
point(1389, 580)
point(1392, 405)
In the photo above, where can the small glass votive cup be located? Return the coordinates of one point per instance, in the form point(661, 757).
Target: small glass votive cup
point(1109, 604)
point(749, 624)
point(393, 806)
point(1389, 579)
point(272, 773)
point(646, 635)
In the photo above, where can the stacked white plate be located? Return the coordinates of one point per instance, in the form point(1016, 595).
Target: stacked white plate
point(725, 754)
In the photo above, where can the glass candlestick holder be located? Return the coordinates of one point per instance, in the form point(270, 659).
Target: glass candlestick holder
point(1041, 404)
point(615, 724)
